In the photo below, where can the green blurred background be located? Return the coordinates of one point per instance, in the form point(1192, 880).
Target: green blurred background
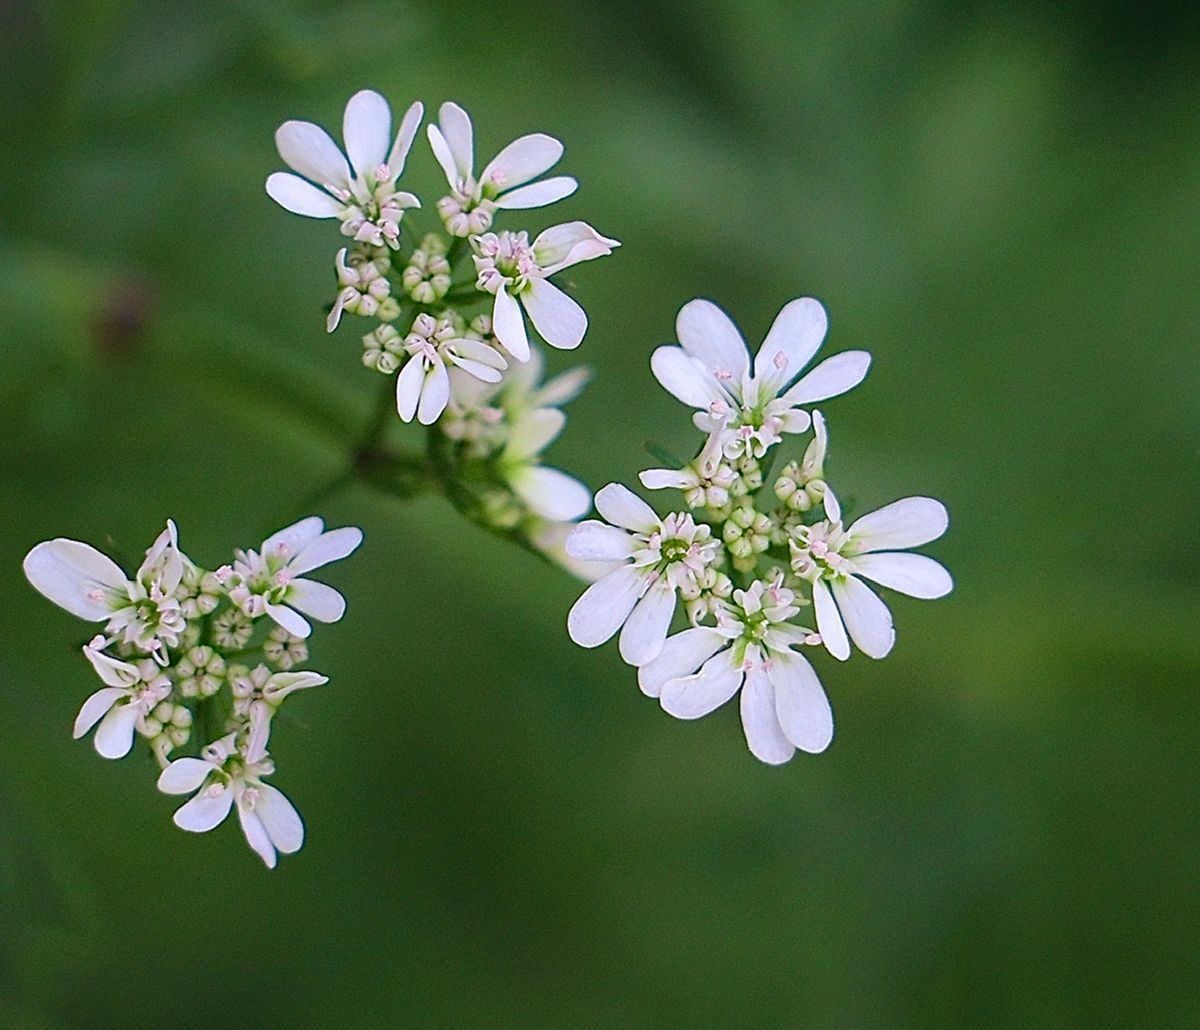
point(999, 201)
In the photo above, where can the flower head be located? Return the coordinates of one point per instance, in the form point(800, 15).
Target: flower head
point(131, 692)
point(146, 612)
point(661, 559)
point(423, 385)
point(518, 273)
point(226, 776)
point(506, 182)
point(360, 192)
point(783, 705)
point(270, 581)
point(835, 560)
point(753, 406)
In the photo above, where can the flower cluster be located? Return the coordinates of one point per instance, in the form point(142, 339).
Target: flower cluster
point(189, 656)
point(458, 311)
point(762, 573)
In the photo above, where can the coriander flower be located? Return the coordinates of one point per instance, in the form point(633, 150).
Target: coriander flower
point(783, 706)
point(225, 777)
point(269, 581)
point(711, 371)
point(145, 612)
point(362, 192)
point(423, 385)
point(472, 202)
point(833, 559)
point(518, 273)
point(131, 692)
point(661, 558)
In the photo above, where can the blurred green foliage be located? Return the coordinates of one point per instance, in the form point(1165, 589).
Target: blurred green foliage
point(999, 201)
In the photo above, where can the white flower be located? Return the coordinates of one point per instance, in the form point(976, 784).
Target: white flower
point(783, 705)
point(225, 777)
point(146, 612)
point(661, 559)
point(473, 202)
point(362, 192)
point(508, 266)
point(270, 581)
point(548, 492)
point(423, 385)
point(130, 693)
point(833, 559)
point(711, 371)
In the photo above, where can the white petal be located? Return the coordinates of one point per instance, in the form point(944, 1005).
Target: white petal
point(256, 834)
point(366, 131)
point(300, 196)
point(596, 541)
point(480, 353)
point(866, 617)
point(909, 522)
point(681, 656)
point(563, 387)
point(95, 707)
point(622, 507)
point(794, 338)
point(551, 493)
point(604, 606)
point(280, 818)
point(911, 574)
point(477, 369)
point(829, 622)
point(523, 159)
point(534, 432)
point(290, 620)
point(206, 810)
point(509, 325)
point(764, 736)
point(328, 547)
point(292, 539)
point(114, 735)
point(537, 194)
point(833, 507)
point(441, 151)
point(404, 138)
point(308, 149)
point(686, 378)
point(648, 624)
point(184, 775)
point(316, 600)
point(456, 128)
point(800, 703)
point(691, 697)
point(831, 377)
point(568, 244)
point(283, 683)
point(559, 319)
point(666, 479)
point(408, 388)
point(550, 538)
point(113, 671)
point(710, 336)
point(77, 577)
point(435, 395)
